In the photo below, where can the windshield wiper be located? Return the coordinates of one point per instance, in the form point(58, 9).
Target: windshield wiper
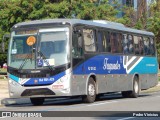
point(24, 62)
point(45, 60)
point(26, 59)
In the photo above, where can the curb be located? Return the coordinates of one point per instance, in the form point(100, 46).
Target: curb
point(158, 84)
point(13, 101)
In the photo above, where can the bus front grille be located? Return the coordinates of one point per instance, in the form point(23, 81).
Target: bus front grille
point(39, 91)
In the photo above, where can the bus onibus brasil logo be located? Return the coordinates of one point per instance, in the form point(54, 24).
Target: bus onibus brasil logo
point(111, 66)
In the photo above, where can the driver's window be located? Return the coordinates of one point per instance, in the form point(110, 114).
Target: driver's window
point(77, 44)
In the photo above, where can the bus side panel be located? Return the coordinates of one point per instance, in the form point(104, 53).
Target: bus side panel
point(115, 73)
point(148, 81)
point(147, 70)
point(78, 84)
point(114, 83)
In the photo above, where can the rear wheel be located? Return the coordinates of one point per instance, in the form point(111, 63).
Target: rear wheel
point(136, 89)
point(37, 101)
point(91, 91)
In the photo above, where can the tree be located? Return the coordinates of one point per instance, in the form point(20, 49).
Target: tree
point(144, 19)
point(15, 11)
point(154, 23)
point(141, 14)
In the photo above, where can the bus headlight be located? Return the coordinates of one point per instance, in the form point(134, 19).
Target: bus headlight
point(12, 82)
point(62, 83)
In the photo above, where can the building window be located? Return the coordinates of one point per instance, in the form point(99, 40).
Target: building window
point(129, 3)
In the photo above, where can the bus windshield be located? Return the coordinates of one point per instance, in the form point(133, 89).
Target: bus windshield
point(54, 46)
point(51, 43)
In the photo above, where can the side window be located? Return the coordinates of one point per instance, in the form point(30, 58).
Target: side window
point(77, 50)
point(100, 41)
point(128, 44)
point(116, 42)
point(113, 38)
point(141, 45)
point(107, 46)
point(146, 46)
point(119, 43)
point(125, 44)
point(152, 47)
point(89, 40)
point(103, 41)
point(138, 45)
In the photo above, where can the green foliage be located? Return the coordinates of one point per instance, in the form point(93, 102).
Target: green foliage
point(15, 11)
point(150, 23)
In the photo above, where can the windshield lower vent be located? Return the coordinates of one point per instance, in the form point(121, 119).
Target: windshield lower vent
point(33, 76)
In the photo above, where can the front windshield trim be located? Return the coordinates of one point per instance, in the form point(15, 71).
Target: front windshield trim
point(53, 30)
point(64, 29)
point(56, 37)
point(19, 51)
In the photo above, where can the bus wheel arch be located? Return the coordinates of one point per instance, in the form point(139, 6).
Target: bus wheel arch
point(91, 90)
point(136, 86)
point(134, 93)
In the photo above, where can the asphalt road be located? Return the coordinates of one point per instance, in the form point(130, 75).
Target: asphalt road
point(110, 106)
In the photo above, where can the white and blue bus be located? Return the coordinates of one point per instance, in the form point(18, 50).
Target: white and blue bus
point(71, 57)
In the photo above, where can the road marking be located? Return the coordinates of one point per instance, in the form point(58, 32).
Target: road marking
point(126, 118)
point(102, 103)
point(124, 100)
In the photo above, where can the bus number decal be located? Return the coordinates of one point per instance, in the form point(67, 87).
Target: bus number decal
point(91, 68)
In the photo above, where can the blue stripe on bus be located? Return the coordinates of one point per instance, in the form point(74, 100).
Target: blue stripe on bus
point(14, 77)
point(39, 81)
point(104, 64)
point(109, 64)
point(146, 66)
point(43, 81)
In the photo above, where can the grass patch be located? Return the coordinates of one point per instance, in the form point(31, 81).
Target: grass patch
point(154, 89)
point(3, 73)
point(3, 78)
point(2, 70)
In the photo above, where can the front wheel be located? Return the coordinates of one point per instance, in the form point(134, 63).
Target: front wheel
point(37, 101)
point(91, 91)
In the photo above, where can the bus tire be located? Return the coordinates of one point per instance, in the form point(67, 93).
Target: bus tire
point(91, 91)
point(136, 89)
point(37, 101)
point(125, 94)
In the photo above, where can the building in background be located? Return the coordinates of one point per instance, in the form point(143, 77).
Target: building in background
point(140, 6)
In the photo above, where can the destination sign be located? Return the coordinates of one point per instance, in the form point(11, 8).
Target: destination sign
point(23, 32)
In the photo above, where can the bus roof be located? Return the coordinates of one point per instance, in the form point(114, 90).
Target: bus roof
point(97, 23)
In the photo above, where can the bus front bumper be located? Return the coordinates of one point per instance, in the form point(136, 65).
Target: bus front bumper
point(17, 91)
